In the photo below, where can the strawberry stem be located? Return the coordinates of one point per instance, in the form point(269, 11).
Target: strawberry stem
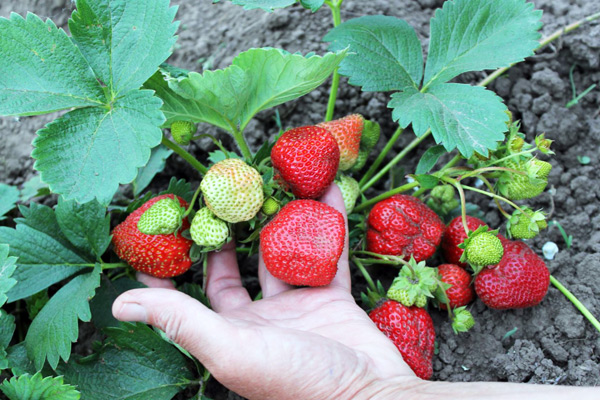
point(384, 196)
point(191, 206)
point(495, 196)
point(335, 80)
point(185, 155)
point(586, 313)
point(241, 142)
point(106, 266)
point(364, 272)
point(373, 168)
point(463, 202)
point(214, 140)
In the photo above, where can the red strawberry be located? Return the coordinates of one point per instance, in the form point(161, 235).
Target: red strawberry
point(454, 235)
point(162, 256)
point(403, 225)
point(347, 132)
point(411, 330)
point(307, 159)
point(519, 280)
point(303, 243)
point(460, 293)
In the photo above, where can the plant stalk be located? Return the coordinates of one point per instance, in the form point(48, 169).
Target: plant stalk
point(366, 275)
point(373, 168)
point(385, 195)
point(185, 155)
point(241, 142)
point(586, 313)
point(335, 80)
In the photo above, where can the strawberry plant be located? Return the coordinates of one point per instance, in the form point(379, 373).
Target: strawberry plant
point(124, 111)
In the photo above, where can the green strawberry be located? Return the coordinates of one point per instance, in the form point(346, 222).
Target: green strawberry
point(462, 320)
point(162, 218)
point(233, 190)
point(270, 206)
point(442, 199)
point(414, 284)
point(482, 248)
point(183, 131)
point(526, 225)
point(525, 185)
point(208, 230)
point(350, 191)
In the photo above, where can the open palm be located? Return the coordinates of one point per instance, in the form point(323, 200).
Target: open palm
point(309, 343)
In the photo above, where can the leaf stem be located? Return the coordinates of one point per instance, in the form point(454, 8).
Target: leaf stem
point(381, 157)
point(185, 155)
point(586, 313)
point(106, 266)
point(191, 205)
point(385, 195)
point(241, 142)
point(366, 275)
point(395, 160)
point(214, 140)
point(335, 80)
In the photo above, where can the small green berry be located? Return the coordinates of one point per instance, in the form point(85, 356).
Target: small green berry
point(183, 131)
point(484, 249)
point(526, 225)
point(350, 191)
point(462, 320)
point(207, 230)
point(270, 206)
point(421, 301)
point(405, 297)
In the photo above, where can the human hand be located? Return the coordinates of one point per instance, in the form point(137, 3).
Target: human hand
point(295, 343)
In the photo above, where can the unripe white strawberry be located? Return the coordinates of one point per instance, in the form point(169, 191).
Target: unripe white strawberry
point(163, 218)
point(208, 230)
point(350, 191)
point(233, 190)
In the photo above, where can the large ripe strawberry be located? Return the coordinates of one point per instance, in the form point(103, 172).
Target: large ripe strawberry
point(411, 330)
point(403, 226)
point(520, 280)
point(454, 235)
point(233, 190)
point(303, 243)
point(461, 292)
point(163, 256)
point(307, 159)
point(347, 132)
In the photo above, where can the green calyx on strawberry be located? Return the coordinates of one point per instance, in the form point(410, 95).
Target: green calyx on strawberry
point(208, 230)
point(368, 140)
point(233, 190)
point(462, 320)
point(302, 244)
point(482, 248)
point(183, 131)
point(163, 218)
point(442, 199)
point(350, 191)
point(415, 283)
point(529, 180)
point(543, 144)
point(526, 224)
point(270, 206)
point(306, 160)
point(347, 132)
point(163, 256)
point(520, 280)
point(412, 332)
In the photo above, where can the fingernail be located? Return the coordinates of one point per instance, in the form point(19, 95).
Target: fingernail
point(132, 312)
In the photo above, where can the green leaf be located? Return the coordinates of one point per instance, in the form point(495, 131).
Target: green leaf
point(134, 364)
point(429, 159)
point(385, 53)
point(257, 80)
point(7, 328)
point(427, 181)
point(9, 195)
point(266, 5)
point(101, 304)
point(124, 40)
point(88, 152)
point(312, 5)
point(469, 118)
point(18, 361)
point(45, 254)
point(56, 326)
point(36, 387)
point(180, 188)
point(34, 187)
point(87, 225)
point(42, 70)
point(473, 35)
point(156, 164)
point(7, 269)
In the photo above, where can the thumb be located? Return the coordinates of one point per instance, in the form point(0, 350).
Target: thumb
point(186, 321)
